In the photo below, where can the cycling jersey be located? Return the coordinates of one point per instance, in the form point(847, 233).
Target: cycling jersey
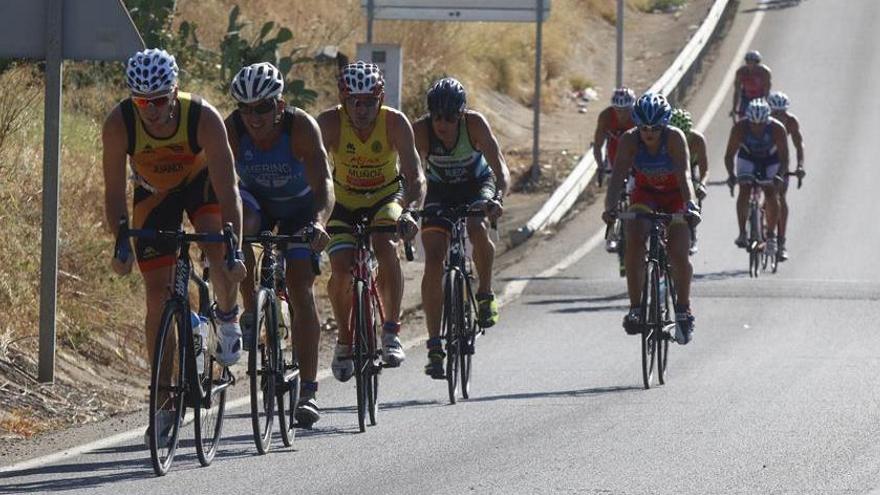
point(463, 163)
point(275, 177)
point(364, 171)
point(615, 130)
point(163, 164)
point(752, 84)
point(656, 179)
point(758, 158)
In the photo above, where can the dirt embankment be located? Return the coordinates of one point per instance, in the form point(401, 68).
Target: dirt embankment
point(107, 374)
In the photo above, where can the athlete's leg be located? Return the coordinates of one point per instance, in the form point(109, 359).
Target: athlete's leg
point(742, 206)
point(251, 222)
point(339, 291)
point(634, 259)
point(306, 324)
point(484, 252)
point(679, 238)
point(782, 191)
point(390, 277)
point(771, 206)
point(436, 244)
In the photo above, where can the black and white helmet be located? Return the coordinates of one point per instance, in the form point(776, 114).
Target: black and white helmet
point(361, 78)
point(257, 82)
point(151, 71)
point(778, 101)
point(623, 98)
point(758, 111)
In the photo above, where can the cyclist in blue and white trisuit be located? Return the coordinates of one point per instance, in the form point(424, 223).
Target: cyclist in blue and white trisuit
point(465, 166)
point(285, 184)
point(760, 146)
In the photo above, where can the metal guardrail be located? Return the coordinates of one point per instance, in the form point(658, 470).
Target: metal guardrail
point(670, 84)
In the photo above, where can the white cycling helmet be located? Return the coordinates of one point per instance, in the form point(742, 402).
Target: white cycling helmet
point(623, 98)
point(151, 71)
point(778, 101)
point(758, 111)
point(257, 82)
point(361, 78)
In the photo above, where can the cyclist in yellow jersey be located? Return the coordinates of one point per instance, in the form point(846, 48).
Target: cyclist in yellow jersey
point(181, 161)
point(365, 140)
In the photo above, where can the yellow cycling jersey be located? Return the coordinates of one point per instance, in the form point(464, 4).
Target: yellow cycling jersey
point(162, 164)
point(364, 171)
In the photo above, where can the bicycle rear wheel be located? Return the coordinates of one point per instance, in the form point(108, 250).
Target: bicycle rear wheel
point(167, 387)
point(361, 352)
point(372, 303)
point(211, 409)
point(451, 310)
point(262, 364)
point(650, 324)
point(288, 389)
point(756, 241)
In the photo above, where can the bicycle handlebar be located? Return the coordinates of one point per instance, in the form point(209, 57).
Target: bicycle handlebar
point(373, 229)
point(267, 239)
point(122, 249)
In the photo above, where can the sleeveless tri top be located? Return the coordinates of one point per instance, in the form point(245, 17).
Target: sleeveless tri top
point(655, 172)
point(752, 85)
point(463, 163)
point(163, 164)
point(760, 148)
point(273, 175)
point(364, 167)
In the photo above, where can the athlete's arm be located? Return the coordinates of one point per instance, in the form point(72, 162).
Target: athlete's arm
point(701, 156)
point(485, 141)
point(626, 153)
point(781, 139)
point(600, 136)
point(231, 135)
point(733, 143)
point(400, 136)
point(737, 83)
point(115, 144)
point(420, 133)
point(680, 156)
point(308, 147)
point(221, 166)
point(328, 122)
point(768, 79)
point(794, 128)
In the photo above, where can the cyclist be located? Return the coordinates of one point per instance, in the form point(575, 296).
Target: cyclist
point(613, 121)
point(284, 180)
point(779, 103)
point(465, 166)
point(658, 157)
point(365, 139)
point(696, 142)
point(181, 161)
point(760, 146)
point(752, 81)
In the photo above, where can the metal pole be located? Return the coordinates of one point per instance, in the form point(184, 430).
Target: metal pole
point(370, 10)
point(619, 80)
point(51, 166)
point(536, 125)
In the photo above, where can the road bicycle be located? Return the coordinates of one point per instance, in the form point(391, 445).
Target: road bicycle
point(273, 373)
point(366, 316)
point(184, 373)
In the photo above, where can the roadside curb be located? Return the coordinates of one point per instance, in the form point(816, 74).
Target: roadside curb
point(673, 83)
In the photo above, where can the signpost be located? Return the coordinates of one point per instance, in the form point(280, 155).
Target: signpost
point(536, 11)
point(55, 30)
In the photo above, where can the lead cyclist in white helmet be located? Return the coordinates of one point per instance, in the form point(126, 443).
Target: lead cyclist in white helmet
point(285, 184)
point(176, 145)
point(779, 104)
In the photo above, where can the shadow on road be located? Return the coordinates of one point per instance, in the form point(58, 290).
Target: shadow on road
point(773, 5)
point(560, 393)
point(593, 309)
point(612, 297)
point(723, 275)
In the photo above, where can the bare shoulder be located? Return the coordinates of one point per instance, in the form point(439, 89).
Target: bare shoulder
point(329, 118)
point(303, 118)
point(114, 124)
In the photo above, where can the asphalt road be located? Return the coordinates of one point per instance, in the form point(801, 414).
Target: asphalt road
point(776, 394)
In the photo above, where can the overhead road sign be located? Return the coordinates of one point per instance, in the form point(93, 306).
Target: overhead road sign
point(458, 10)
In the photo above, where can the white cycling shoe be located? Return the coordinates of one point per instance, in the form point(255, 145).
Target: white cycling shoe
point(342, 364)
point(228, 350)
point(392, 351)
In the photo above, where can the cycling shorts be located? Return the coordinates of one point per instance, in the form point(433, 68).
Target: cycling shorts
point(164, 211)
point(446, 196)
point(297, 214)
point(762, 173)
point(386, 211)
point(646, 200)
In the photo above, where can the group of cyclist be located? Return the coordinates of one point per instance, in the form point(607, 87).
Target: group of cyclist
point(653, 151)
point(270, 165)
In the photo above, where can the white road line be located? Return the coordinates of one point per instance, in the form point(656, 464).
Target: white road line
point(718, 99)
point(512, 290)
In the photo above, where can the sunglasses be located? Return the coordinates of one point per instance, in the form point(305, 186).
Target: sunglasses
point(156, 101)
point(452, 119)
point(261, 108)
point(367, 103)
point(650, 128)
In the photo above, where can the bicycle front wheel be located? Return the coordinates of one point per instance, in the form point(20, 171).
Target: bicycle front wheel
point(211, 409)
point(288, 388)
point(262, 365)
point(362, 361)
point(167, 387)
point(469, 340)
point(650, 325)
point(452, 330)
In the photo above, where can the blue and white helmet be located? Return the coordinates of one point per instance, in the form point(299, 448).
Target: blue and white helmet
point(151, 71)
point(758, 111)
point(778, 101)
point(652, 109)
point(257, 82)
